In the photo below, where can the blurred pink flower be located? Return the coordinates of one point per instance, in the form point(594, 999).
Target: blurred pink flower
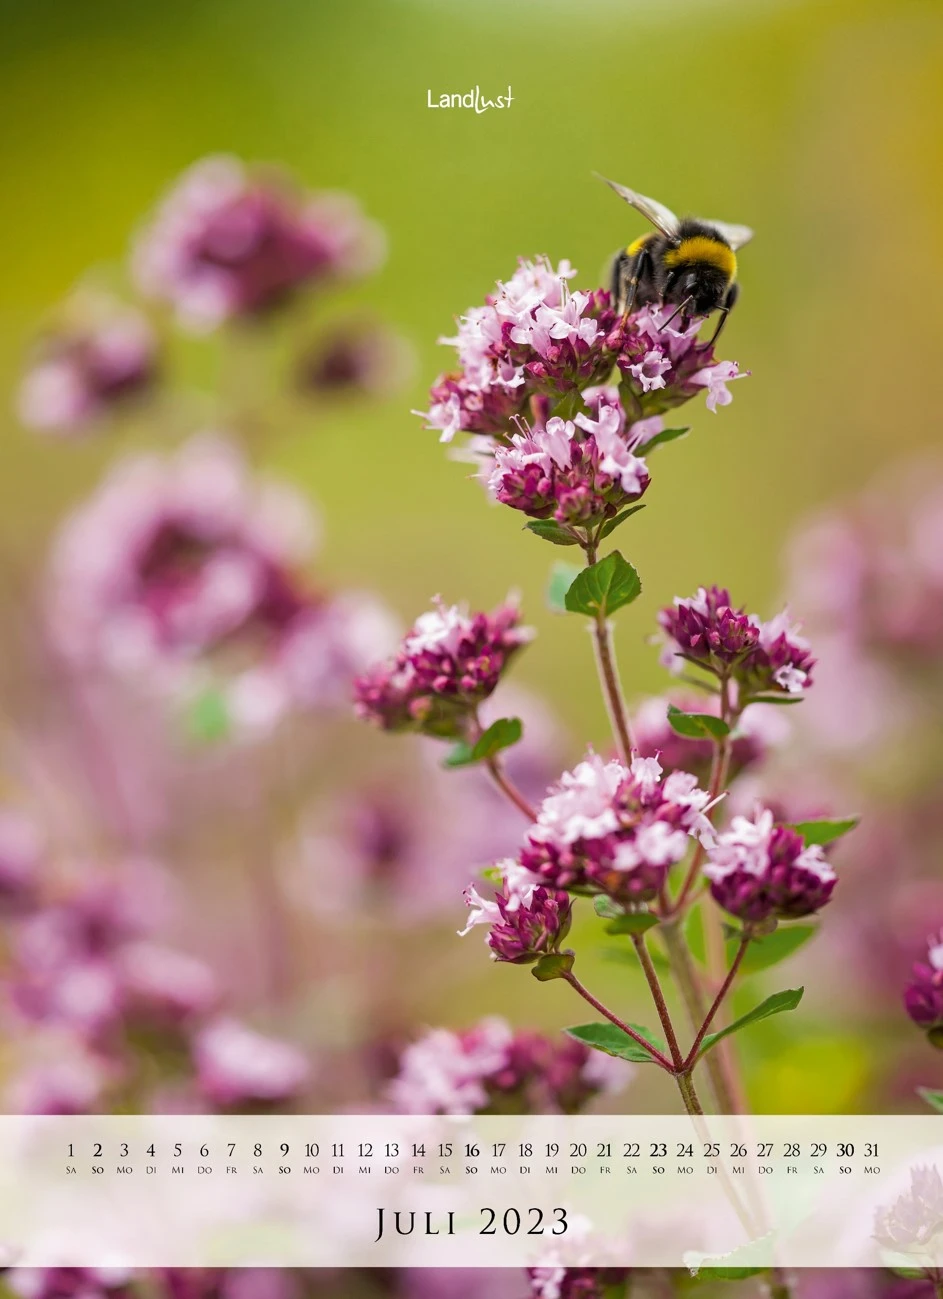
point(490, 1068)
point(235, 1065)
point(94, 358)
point(228, 242)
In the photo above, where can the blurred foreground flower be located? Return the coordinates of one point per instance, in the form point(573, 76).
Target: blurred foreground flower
point(230, 242)
point(923, 996)
point(490, 1069)
point(576, 1282)
point(182, 564)
point(913, 1222)
point(91, 360)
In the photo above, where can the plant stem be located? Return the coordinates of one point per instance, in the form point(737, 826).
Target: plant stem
point(720, 770)
point(686, 979)
point(682, 1068)
point(721, 994)
point(609, 676)
point(688, 1094)
point(636, 1037)
point(509, 789)
point(651, 974)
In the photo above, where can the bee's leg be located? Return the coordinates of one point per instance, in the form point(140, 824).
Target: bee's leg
point(729, 302)
point(626, 273)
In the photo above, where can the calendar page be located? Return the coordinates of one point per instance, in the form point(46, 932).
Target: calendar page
point(471, 650)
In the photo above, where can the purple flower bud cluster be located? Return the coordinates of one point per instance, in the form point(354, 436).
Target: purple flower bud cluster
point(490, 1069)
point(761, 729)
point(527, 920)
point(351, 359)
point(923, 995)
point(180, 565)
point(100, 354)
point(70, 1282)
point(575, 1282)
point(228, 242)
point(577, 472)
point(447, 664)
point(760, 656)
point(615, 830)
point(761, 871)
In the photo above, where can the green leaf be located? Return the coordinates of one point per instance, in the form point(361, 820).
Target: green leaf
point(619, 518)
point(697, 726)
point(666, 435)
point(775, 947)
point(636, 922)
point(823, 832)
point(562, 577)
point(606, 908)
point(612, 1040)
point(555, 965)
point(550, 530)
point(604, 587)
point(933, 1099)
point(774, 1005)
point(499, 735)
point(774, 699)
point(729, 1273)
point(207, 720)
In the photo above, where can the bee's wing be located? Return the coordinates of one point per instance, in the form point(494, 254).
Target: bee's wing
point(735, 235)
point(661, 217)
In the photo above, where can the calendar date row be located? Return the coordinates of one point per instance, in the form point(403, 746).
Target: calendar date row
point(391, 1150)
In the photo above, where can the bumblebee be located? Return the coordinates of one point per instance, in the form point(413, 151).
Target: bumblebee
point(687, 262)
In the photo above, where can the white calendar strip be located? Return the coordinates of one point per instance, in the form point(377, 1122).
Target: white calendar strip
point(382, 1190)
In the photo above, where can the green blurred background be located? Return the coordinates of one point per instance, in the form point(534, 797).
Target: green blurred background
point(820, 124)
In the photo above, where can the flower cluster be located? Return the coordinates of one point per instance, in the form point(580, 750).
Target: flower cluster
point(576, 471)
point(97, 356)
point(761, 871)
point(915, 1219)
point(663, 364)
point(923, 996)
point(536, 337)
point(490, 1069)
point(575, 1282)
point(228, 243)
point(760, 656)
point(526, 919)
point(447, 664)
point(611, 829)
point(176, 564)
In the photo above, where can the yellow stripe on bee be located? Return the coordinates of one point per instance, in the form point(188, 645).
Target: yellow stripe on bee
point(638, 244)
point(701, 248)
